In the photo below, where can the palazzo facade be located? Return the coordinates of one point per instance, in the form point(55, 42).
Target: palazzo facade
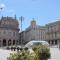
point(9, 31)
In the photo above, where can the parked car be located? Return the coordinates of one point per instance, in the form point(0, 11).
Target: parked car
point(36, 43)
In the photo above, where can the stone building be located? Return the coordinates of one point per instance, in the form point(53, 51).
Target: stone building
point(50, 32)
point(53, 32)
point(33, 32)
point(9, 31)
point(22, 37)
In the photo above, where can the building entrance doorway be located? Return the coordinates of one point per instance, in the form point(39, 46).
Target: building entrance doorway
point(55, 41)
point(0, 43)
point(4, 42)
point(9, 42)
point(13, 42)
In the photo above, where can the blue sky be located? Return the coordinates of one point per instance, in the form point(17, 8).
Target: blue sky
point(44, 11)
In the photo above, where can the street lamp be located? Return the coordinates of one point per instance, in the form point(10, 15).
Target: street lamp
point(21, 19)
point(1, 8)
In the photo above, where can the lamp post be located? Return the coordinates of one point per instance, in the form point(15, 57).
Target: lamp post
point(1, 8)
point(21, 19)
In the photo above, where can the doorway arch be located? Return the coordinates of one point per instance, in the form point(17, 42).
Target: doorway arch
point(4, 42)
point(13, 42)
point(9, 42)
point(0, 43)
point(56, 42)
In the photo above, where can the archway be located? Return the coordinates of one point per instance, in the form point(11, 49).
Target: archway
point(13, 42)
point(49, 41)
point(9, 42)
point(56, 42)
point(0, 43)
point(4, 42)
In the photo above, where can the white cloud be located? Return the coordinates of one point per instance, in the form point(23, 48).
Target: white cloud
point(5, 10)
point(2, 6)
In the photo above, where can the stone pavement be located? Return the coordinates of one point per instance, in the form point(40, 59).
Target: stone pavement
point(55, 53)
point(4, 54)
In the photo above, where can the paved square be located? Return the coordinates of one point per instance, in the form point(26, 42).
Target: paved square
point(55, 54)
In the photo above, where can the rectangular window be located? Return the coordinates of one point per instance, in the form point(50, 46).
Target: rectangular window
point(17, 34)
point(4, 32)
point(13, 33)
point(9, 33)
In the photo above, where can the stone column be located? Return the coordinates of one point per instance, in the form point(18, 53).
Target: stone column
point(16, 43)
point(50, 42)
point(54, 42)
point(0, 43)
point(6, 42)
point(57, 42)
point(11, 42)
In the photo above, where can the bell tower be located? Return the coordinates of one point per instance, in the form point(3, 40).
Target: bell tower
point(33, 23)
